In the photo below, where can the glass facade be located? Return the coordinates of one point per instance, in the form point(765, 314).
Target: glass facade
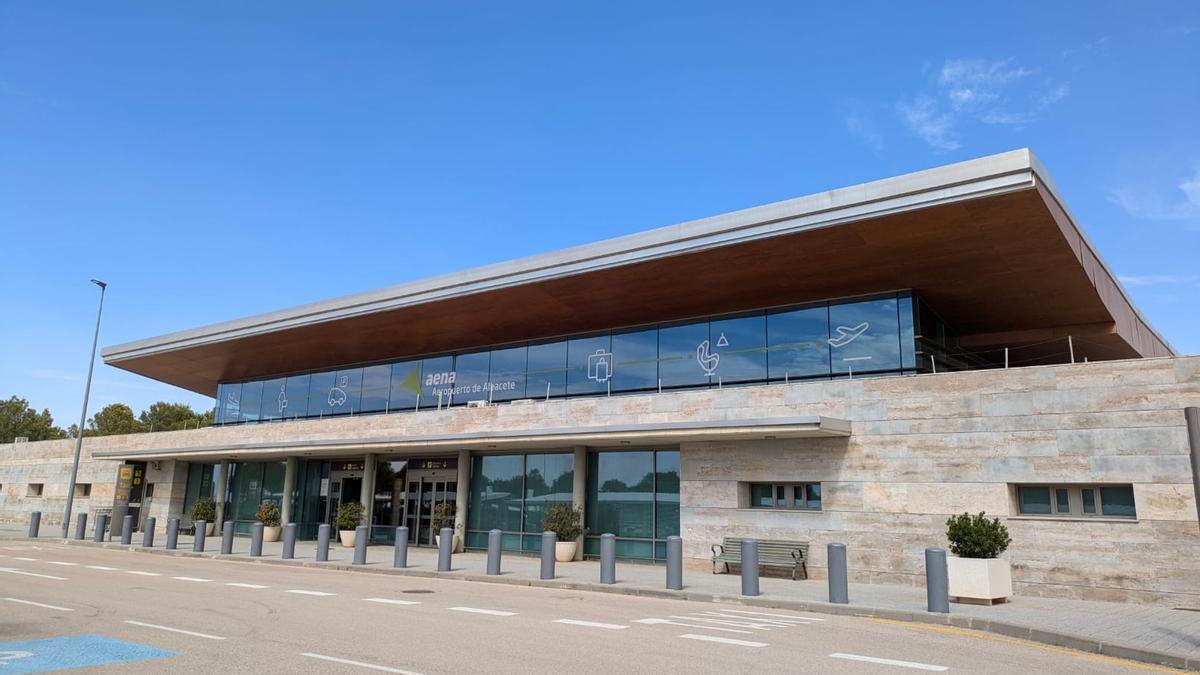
point(633, 494)
point(860, 337)
point(510, 493)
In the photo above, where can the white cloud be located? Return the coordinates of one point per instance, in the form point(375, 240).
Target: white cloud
point(923, 117)
point(864, 127)
point(1084, 49)
point(1156, 279)
point(1149, 204)
point(978, 91)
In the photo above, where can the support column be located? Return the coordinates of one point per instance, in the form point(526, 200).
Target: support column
point(1191, 416)
point(289, 487)
point(461, 496)
point(367, 498)
point(579, 491)
point(221, 489)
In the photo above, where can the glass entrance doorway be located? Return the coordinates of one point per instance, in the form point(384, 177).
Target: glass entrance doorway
point(342, 489)
point(423, 496)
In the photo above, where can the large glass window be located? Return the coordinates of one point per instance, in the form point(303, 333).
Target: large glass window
point(471, 377)
point(511, 493)
point(437, 381)
point(507, 378)
point(685, 355)
point(547, 370)
point(549, 480)
point(590, 365)
point(376, 388)
point(864, 336)
point(251, 400)
point(627, 496)
point(406, 385)
point(908, 344)
point(740, 346)
point(271, 397)
point(253, 483)
point(320, 386)
point(635, 360)
point(346, 393)
point(230, 405)
point(798, 343)
point(294, 403)
point(497, 482)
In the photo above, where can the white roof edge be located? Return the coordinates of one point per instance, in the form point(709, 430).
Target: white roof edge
point(993, 174)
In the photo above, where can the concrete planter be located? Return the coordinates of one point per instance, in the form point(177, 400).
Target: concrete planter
point(346, 537)
point(209, 529)
point(979, 580)
point(271, 533)
point(564, 551)
point(456, 542)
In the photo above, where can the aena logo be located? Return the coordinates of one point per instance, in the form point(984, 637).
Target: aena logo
point(435, 379)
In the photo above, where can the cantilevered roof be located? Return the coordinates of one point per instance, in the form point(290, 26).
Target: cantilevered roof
point(801, 426)
point(986, 242)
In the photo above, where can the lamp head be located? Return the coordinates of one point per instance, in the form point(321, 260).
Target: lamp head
point(99, 283)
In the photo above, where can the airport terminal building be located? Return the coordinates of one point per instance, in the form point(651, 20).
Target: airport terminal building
point(853, 366)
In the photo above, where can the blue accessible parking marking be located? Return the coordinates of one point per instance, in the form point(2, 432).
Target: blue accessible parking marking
point(76, 651)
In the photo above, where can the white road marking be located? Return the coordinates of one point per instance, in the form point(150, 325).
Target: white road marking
point(298, 591)
point(241, 585)
point(792, 617)
point(206, 636)
point(60, 562)
point(13, 570)
point(360, 664)
point(890, 662)
point(390, 601)
point(143, 574)
point(476, 610)
point(25, 559)
point(591, 624)
point(724, 641)
point(38, 604)
point(103, 568)
point(691, 625)
point(196, 579)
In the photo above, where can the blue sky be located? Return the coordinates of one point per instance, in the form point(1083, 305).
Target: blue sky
point(213, 160)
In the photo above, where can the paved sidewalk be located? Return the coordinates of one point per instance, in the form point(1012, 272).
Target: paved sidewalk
point(1145, 633)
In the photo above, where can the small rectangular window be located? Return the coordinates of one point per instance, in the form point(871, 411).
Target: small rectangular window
point(1117, 501)
point(1062, 500)
point(34, 490)
point(804, 496)
point(1089, 500)
point(760, 496)
point(83, 489)
point(1033, 500)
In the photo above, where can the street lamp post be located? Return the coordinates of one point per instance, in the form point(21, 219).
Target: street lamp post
point(87, 389)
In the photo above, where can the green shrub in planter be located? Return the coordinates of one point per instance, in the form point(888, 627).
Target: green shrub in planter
point(349, 515)
point(268, 514)
point(443, 516)
point(204, 509)
point(976, 536)
point(564, 520)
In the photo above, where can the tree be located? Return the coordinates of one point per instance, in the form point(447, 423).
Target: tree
point(17, 419)
point(163, 416)
point(114, 418)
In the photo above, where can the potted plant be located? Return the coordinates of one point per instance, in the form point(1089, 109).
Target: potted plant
point(268, 515)
point(349, 515)
point(205, 509)
point(565, 521)
point(443, 516)
point(976, 572)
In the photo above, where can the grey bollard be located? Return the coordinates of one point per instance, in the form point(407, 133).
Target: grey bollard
point(400, 557)
point(172, 533)
point(148, 532)
point(750, 567)
point(227, 538)
point(675, 563)
point(198, 540)
point(323, 542)
point(549, 539)
point(35, 522)
point(98, 529)
point(839, 588)
point(289, 541)
point(445, 548)
point(256, 534)
point(361, 534)
point(127, 530)
point(608, 558)
point(80, 525)
point(494, 548)
point(937, 581)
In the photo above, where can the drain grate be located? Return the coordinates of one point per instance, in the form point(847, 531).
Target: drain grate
point(417, 590)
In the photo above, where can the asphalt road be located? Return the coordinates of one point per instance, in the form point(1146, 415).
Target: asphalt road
point(203, 615)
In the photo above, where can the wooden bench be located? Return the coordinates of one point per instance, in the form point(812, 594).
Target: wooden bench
point(793, 554)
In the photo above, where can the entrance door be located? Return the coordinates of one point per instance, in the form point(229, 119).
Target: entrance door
point(423, 497)
point(343, 490)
